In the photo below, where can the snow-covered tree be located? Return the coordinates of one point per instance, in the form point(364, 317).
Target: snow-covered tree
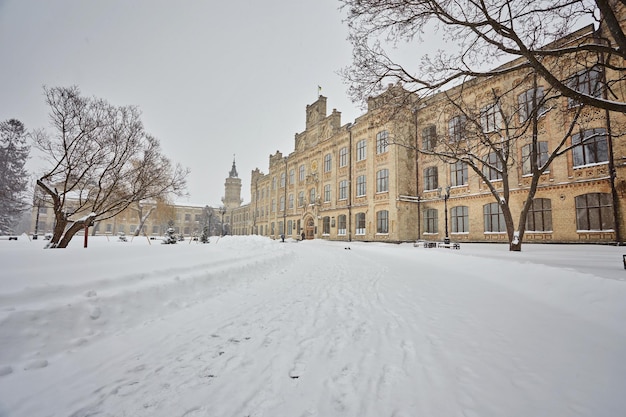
point(170, 237)
point(101, 161)
point(14, 152)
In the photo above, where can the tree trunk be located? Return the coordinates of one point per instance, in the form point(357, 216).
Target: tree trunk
point(142, 220)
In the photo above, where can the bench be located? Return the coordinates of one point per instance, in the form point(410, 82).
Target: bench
point(451, 245)
point(425, 244)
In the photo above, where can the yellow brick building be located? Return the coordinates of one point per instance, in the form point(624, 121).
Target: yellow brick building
point(367, 181)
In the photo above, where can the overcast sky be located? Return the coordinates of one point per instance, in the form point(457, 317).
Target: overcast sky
point(212, 78)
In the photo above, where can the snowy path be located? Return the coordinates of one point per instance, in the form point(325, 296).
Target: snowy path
point(317, 330)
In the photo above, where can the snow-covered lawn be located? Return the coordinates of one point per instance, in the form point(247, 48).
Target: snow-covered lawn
point(247, 326)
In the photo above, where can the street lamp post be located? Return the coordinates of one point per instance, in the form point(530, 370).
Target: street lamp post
point(222, 212)
point(282, 236)
point(445, 194)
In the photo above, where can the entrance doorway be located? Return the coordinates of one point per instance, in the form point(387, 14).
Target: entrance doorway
point(309, 228)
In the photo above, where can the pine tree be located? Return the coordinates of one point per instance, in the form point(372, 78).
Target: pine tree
point(170, 234)
point(204, 237)
point(14, 152)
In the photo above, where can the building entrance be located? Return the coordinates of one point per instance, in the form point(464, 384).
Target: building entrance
point(309, 228)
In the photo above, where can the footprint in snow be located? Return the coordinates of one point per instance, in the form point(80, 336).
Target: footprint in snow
point(36, 364)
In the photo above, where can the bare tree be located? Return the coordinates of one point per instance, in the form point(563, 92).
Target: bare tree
point(485, 128)
point(101, 162)
point(481, 33)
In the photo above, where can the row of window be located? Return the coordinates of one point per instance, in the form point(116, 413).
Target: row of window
point(382, 185)
point(382, 223)
point(594, 211)
point(590, 147)
point(382, 144)
point(529, 102)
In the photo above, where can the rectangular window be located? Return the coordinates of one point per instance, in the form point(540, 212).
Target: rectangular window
point(382, 221)
point(542, 156)
point(492, 167)
point(459, 217)
point(326, 225)
point(528, 101)
point(430, 220)
point(327, 193)
point(361, 186)
point(430, 179)
point(588, 82)
point(341, 225)
point(187, 217)
point(458, 174)
point(292, 176)
point(361, 150)
point(301, 171)
point(289, 227)
point(359, 222)
point(456, 128)
point(301, 199)
point(590, 147)
point(282, 180)
point(290, 201)
point(155, 230)
point(429, 136)
point(328, 162)
point(493, 218)
point(490, 118)
point(539, 218)
point(343, 157)
point(282, 203)
point(312, 196)
point(273, 183)
point(382, 142)
point(382, 181)
point(343, 190)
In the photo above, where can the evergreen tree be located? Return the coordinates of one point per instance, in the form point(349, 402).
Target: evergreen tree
point(13, 177)
point(170, 234)
point(204, 237)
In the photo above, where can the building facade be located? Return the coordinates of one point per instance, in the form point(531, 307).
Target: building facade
point(403, 170)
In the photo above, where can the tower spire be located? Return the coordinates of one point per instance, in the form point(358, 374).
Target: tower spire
point(233, 170)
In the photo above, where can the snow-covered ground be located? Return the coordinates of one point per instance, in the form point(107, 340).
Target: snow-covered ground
point(247, 326)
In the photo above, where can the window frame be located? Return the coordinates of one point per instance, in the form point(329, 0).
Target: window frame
point(359, 224)
point(585, 145)
point(431, 180)
point(493, 217)
point(343, 190)
point(525, 103)
point(542, 156)
point(431, 221)
point(343, 157)
point(459, 219)
point(361, 186)
point(328, 162)
point(429, 136)
point(382, 142)
point(459, 169)
point(456, 128)
point(382, 222)
point(539, 212)
point(595, 213)
point(361, 150)
point(382, 180)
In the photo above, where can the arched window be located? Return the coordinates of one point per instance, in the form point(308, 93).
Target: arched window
point(359, 222)
point(594, 211)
